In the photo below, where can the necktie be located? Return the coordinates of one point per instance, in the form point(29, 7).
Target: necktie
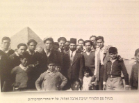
point(71, 57)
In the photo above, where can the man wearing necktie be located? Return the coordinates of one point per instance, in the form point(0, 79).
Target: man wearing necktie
point(76, 65)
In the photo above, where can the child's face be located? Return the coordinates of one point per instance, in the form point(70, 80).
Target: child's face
point(86, 74)
point(113, 56)
point(51, 67)
point(137, 57)
point(76, 86)
point(23, 61)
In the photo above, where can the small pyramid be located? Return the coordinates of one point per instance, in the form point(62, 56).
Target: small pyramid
point(23, 36)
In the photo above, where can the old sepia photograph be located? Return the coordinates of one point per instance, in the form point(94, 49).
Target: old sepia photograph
point(69, 45)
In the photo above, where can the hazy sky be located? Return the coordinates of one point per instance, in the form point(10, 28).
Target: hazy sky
point(116, 20)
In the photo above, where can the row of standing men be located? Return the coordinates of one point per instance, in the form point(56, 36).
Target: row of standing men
point(72, 59)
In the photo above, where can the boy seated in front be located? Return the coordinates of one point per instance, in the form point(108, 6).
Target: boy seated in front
point(51, 80)
point(20, 74)
point(112, 72)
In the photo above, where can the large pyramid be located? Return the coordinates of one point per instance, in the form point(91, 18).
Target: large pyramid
point(23, 36)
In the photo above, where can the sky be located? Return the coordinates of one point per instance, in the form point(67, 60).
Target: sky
point(116, 20)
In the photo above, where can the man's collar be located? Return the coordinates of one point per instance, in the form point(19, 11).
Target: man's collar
point(16, 54)
point(30, 52)
point(22, 67)
point(6, 50)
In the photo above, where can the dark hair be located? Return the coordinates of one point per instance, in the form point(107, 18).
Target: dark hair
point(50, 39)
point(86, 41)
point(80, 40)
point(32, 40)
point(68, 41)
point(23, 56)
point(56, 43)
point(87, 70)
point(75, 80)
point(6, 38)
point(100, 37)
point(21, 44)
point(136, 52)
point(62, 38)
point(113, 50)
point(92, 36)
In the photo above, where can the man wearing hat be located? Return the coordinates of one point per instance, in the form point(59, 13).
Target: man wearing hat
point(76, 63)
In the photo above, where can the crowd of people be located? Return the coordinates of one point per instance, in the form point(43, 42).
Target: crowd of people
point(81, 65)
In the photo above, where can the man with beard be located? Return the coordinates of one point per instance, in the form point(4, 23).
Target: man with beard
point(62, 56)
point(76, 64)
point(5, 52)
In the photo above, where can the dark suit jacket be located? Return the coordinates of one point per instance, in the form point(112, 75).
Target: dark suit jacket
point(63, 60)
point(75, 70)
point(44, 60)
point(134, 76)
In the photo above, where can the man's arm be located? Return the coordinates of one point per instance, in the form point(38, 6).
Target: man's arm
point(64, 81)
point(38, 81)
point(124, 72)
point(82, 65)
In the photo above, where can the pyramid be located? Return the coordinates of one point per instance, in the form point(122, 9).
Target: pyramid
point(23, 36)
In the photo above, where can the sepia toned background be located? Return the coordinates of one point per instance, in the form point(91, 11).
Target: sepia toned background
point(116, 20)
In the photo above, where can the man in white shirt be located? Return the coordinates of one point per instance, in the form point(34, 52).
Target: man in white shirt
point(100, 59)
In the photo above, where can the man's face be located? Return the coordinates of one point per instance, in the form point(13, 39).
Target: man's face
point(5, 44)
point(48, 45)
point(24, 61)
point(93, 39)
point(100, 43)
point(51, 67)
point(79, 47)
point(113, 55)
point(137, 57)
point(88, 46)
point(72, 46)
point(66, 46)
point(62, 44)
point(21, 50)
point(32, 46)
point(81, 43)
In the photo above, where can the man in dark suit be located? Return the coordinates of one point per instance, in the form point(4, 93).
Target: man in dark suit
point(76, 63)
point(5, 52)
point(62, 56)
point(33, 62)
point(48, 55)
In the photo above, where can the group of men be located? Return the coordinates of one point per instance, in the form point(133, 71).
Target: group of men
point(71, 56)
